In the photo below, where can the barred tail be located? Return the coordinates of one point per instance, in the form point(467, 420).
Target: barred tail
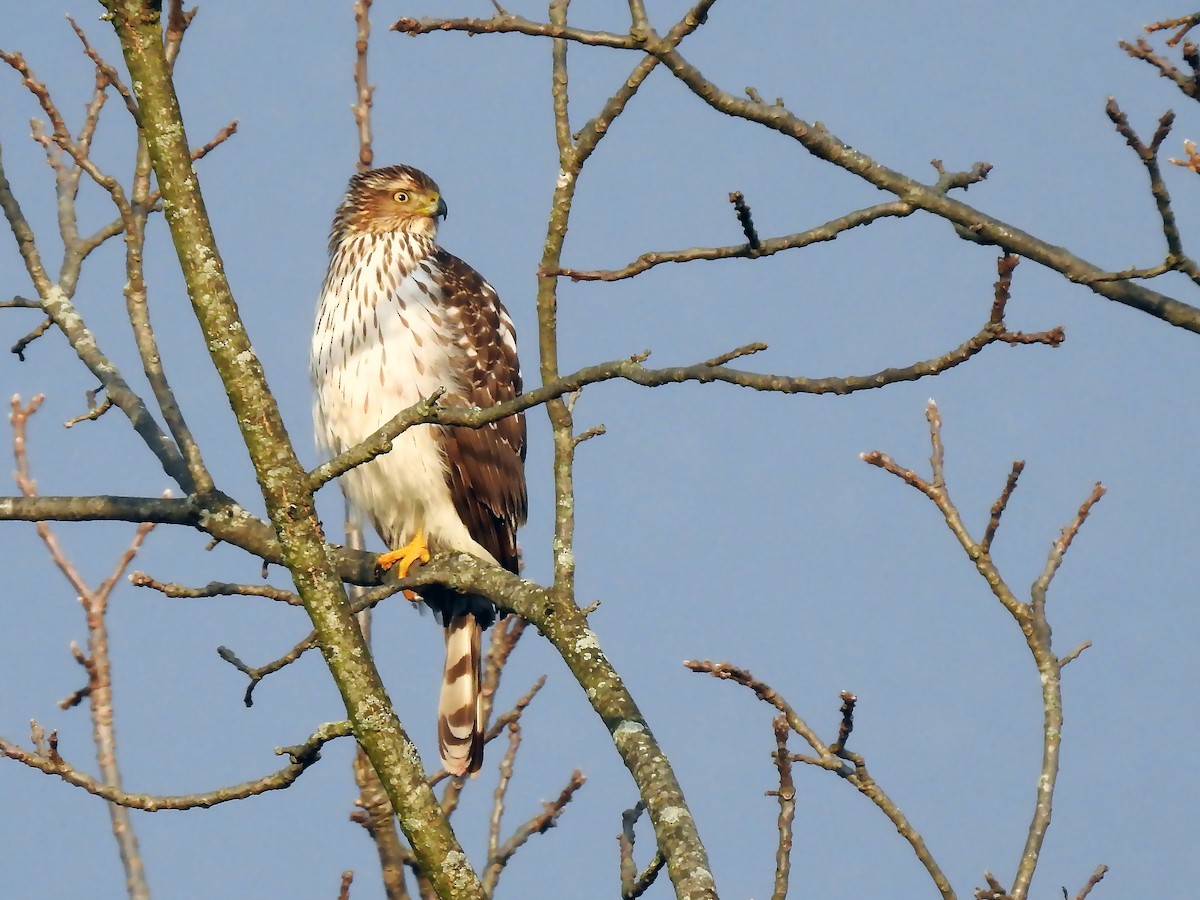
point(460, 733)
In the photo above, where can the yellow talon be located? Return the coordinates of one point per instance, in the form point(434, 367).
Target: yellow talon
point(414, 551)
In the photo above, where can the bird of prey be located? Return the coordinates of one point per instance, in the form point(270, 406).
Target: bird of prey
point(398, 319)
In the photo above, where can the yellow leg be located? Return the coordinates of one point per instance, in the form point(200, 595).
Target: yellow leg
point(414, 551)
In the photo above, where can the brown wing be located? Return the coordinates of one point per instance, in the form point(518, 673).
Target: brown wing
point(487, 465)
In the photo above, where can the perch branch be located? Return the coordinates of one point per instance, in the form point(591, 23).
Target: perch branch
point(282, 480)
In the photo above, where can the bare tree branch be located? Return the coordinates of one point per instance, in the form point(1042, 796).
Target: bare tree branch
point(1184, 24)
point(1030, 617)
point(539, 824)
point(1176, 259)
point(1101, 870)
point(363, 88)
point(283, 482)
point(786, 795)
point(1141, 49)
point(214, 589)
point(47, 760)
point(56, 301)
point(855, 772)
point(633, 884)
point(821, 143)
point(97, 662)
point(829, 231)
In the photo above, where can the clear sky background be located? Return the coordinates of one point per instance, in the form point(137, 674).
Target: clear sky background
point(713, 522)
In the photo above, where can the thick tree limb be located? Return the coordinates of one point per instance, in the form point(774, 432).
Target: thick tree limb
point(283, 481)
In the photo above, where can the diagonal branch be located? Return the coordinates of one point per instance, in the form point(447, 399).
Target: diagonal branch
point(283, 482)
point(821, 143)
point(56, 302)
point(97, 662)
point(1141, 49)
point(849, 766)
point(538, 824)
point(1176, 259)
point(632, 369)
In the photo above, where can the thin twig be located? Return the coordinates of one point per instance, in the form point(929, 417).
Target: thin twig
point(214, 589)
point(1141, 49)
point(257, 674)
point(538, 824)
point(95, 411)
point(633, 884)
point(96, 662)
point(491, 871)
point(846, 725)
point(363, 88)
point(505, 719)
point(224, 134)
point(1101, 870)
point(786, 795)
point(1148, 154)
point(746, 219)
point(302, 756)
point(379, 443)
point(631, 369)
point(23, 343)
point(822, 144)
point(111, 75)
point(1060, 546)
point(20, 303)
point(850, 766)
point(1184, 24)
point(1074, 654)
point(736, 353)
point(364, 601)
point(827, 232)
point(1001, 504)
point(1003, 287)
point(729, 672)
point(1030, 617)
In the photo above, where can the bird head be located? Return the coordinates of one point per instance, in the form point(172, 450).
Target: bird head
point(392, 199)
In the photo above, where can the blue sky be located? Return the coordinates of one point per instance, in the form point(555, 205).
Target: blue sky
point(713, 522)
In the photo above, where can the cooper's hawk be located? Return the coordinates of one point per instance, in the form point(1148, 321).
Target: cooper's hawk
point(399, 317)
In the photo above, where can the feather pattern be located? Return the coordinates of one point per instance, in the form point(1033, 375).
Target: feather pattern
point(399, 318)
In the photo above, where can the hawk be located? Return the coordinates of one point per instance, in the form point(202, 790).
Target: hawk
point(399, 318)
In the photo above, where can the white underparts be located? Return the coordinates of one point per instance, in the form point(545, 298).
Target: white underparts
point(384, 341)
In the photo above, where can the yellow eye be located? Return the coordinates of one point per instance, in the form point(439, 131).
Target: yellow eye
point(400, 196)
